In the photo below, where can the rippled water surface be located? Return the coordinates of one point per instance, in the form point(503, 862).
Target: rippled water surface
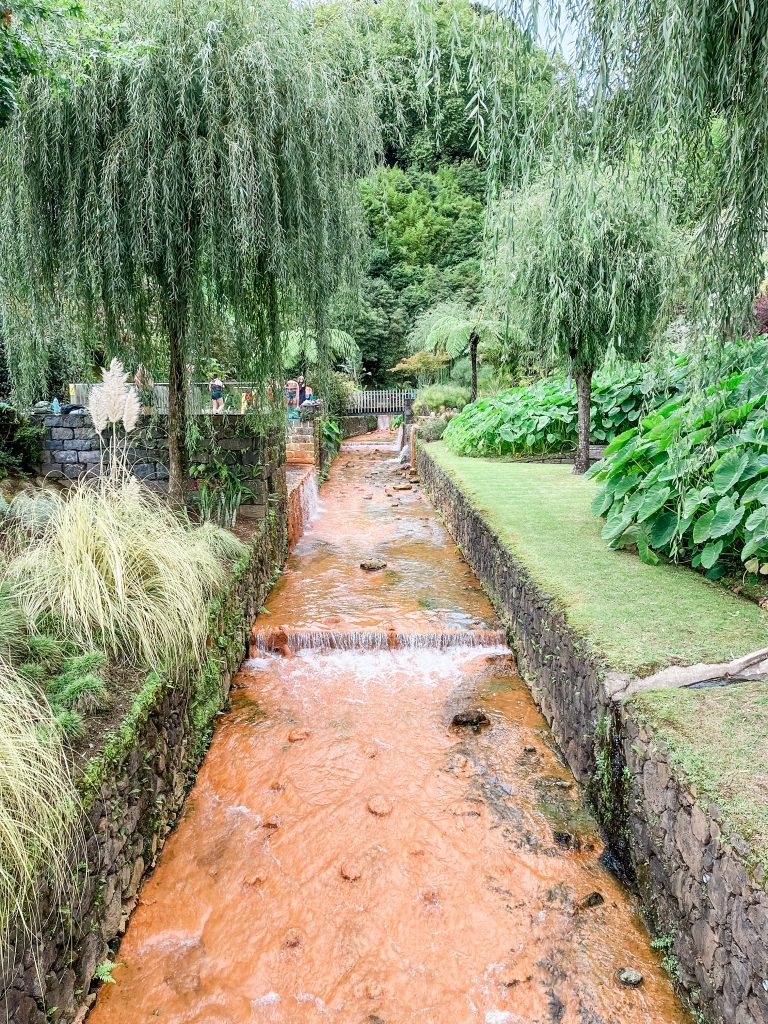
point(346, 854)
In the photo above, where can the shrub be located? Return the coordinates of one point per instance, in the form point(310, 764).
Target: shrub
point(439, 397)
point(83, 694)
point(542, 418)
point(20, 443)
point(336, 392)
point(38, 804)
point(432, 429)
point(115, 569)
point(690, 482)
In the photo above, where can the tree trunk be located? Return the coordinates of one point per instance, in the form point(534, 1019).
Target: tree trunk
point(178, 459)
point(584, 393)
point(473, 343)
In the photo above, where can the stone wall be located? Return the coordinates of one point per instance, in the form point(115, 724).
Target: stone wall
point(133, 792)
point(693, 881)
point(570, 684)
point(694, 884)
point(353, 426)
point(72, 449)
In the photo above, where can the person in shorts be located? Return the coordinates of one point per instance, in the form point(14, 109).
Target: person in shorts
point(216, 388)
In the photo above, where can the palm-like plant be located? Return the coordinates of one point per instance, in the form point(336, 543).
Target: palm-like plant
point(456, 329)
point(309, 348)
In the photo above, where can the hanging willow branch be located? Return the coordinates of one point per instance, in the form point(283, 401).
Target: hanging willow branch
point(199, 177)
point(649, 78)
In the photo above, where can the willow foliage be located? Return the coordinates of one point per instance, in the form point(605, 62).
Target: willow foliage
point(585, 269)
point(197, 179)
point(650, 78)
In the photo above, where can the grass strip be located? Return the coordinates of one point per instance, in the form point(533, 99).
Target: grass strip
point(638, 617)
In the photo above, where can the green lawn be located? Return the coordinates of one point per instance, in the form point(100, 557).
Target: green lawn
point(639, 617)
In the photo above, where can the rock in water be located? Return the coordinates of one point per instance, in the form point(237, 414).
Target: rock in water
point(593, 899)
point(373, 564)
point(380, 806)
point(350, 871)
point(630, 977)
point(473, 719)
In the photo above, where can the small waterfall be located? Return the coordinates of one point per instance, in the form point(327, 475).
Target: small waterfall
point(400, 437)
point(373, 640)
point(303, 505)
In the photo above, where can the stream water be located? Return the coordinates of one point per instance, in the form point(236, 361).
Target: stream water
point(347, 855)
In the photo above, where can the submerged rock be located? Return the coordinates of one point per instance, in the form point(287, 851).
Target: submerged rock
point(380, 806)
point(593, 899)
point(629, 976)
point(350, 871)
point(373, 564)
point(473, 718)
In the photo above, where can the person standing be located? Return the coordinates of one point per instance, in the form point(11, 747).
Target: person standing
point(216, 388)
point(302, 391)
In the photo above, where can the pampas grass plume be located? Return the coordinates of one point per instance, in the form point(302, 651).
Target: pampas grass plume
point(114, 400)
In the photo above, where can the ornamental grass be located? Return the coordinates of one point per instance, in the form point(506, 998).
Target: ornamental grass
point(115, 569)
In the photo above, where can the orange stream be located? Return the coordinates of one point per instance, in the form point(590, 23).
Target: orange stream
point(348, 856)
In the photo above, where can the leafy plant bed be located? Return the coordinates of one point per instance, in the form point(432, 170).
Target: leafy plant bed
point(541, 418)
point(689, 482)
point(639, 617)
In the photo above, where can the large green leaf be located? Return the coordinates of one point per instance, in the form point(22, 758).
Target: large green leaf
point(727, 471)
point(662, 528)
point(653, 500)
point(757, 491)
point(615, 526)
point(711, 553)
point(702, 527)
point(727, 518)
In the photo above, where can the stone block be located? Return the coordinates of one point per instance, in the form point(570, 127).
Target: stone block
point(53, 421)
point(90, 457)
point(252, 511)
point(52, 446)
point(85, 433)
point(78, 444)
point(65, 457)
point(144, 471)
point(61, 433)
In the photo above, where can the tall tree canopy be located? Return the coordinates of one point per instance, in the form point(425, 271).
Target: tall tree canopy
point(585, 268)
point(203, 175)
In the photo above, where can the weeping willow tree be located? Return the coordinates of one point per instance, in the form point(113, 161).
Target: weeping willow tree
point(456, 329)
point(201, 173)
point(586, 270)
point(648, 76)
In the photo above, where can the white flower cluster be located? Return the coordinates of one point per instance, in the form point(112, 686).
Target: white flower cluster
point(114, 400)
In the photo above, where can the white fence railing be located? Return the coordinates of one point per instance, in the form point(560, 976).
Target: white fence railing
point(237, 400)
point(377, 402)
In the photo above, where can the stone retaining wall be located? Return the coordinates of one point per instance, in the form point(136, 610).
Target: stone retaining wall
point(353, 426)
point(133, 792)
point(72, 449)
point(693, 881)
